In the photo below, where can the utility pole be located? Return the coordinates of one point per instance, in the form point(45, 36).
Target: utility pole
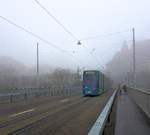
point(128, 78)
point(37, 72)
point(134, 60)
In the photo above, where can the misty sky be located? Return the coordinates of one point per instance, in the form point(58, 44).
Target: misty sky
point(84, 18)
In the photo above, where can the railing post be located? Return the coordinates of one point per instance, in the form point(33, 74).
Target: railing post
point(11, 98)
point(148, 104)
point(25, 96)
point(36, 94)
point(70, 91)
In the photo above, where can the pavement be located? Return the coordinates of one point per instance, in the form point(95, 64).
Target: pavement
point(129, 119)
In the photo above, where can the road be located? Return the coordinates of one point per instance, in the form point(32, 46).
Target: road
point(52, 115)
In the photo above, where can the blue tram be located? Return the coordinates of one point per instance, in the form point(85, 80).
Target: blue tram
point(93, 82)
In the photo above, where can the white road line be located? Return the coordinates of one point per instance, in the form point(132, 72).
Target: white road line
point(13, 115)
point(64, 100)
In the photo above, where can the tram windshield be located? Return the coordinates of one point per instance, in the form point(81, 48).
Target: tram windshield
point(90, 79)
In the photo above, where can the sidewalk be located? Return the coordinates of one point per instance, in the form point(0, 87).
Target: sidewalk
point(129, 120)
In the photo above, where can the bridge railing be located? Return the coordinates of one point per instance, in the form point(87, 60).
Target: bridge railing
point(141, 98)
point(99, 125)
point(29, 94)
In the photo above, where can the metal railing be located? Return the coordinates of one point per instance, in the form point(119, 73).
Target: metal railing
point(100, 123)
point(141, 98)
point(28, 94)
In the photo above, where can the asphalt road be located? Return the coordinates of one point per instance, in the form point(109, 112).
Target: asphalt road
point(57, 115)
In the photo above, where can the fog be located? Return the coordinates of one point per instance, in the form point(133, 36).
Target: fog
point(120, 67)
point(101, 26)
point(83, 18)
point(14, 74)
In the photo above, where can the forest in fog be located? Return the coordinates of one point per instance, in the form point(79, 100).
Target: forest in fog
point(14, 74)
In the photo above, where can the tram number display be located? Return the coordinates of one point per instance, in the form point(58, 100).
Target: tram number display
point(89, 73)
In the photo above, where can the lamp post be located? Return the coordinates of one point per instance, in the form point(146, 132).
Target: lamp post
point(37, 72)
point(134, 60)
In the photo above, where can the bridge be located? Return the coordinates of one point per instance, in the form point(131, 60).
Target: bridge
point(132, 115)
point(65, 111)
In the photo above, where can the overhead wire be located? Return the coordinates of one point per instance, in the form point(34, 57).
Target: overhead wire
point(56, 20)
point(69, 32)
point(98, 36)
point(94, 57)
point(105, 35)
point(37, 36)
point(59, 23)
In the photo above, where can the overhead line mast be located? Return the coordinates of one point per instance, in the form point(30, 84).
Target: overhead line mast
point(134, 60)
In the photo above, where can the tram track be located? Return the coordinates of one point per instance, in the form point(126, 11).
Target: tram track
point(39, 103)
point(15, 107)
point(50, 116)
point(28, 116)
point(68, 122)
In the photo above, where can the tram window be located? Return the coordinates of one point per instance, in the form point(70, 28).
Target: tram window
point(90, 80)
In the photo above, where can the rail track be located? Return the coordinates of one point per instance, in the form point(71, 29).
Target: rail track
point(20, 106)
point(52, 114)
point(67, 107)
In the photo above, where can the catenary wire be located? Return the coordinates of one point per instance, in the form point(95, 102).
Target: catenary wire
point(70, 33)
point(93, 57)
point(37, 36)
point(56, 20)
point(105, 35)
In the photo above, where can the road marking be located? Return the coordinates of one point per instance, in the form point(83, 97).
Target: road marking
point(64, 100)
point(13, 115)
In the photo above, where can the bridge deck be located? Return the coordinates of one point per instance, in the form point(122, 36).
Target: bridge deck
point(129, 119)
